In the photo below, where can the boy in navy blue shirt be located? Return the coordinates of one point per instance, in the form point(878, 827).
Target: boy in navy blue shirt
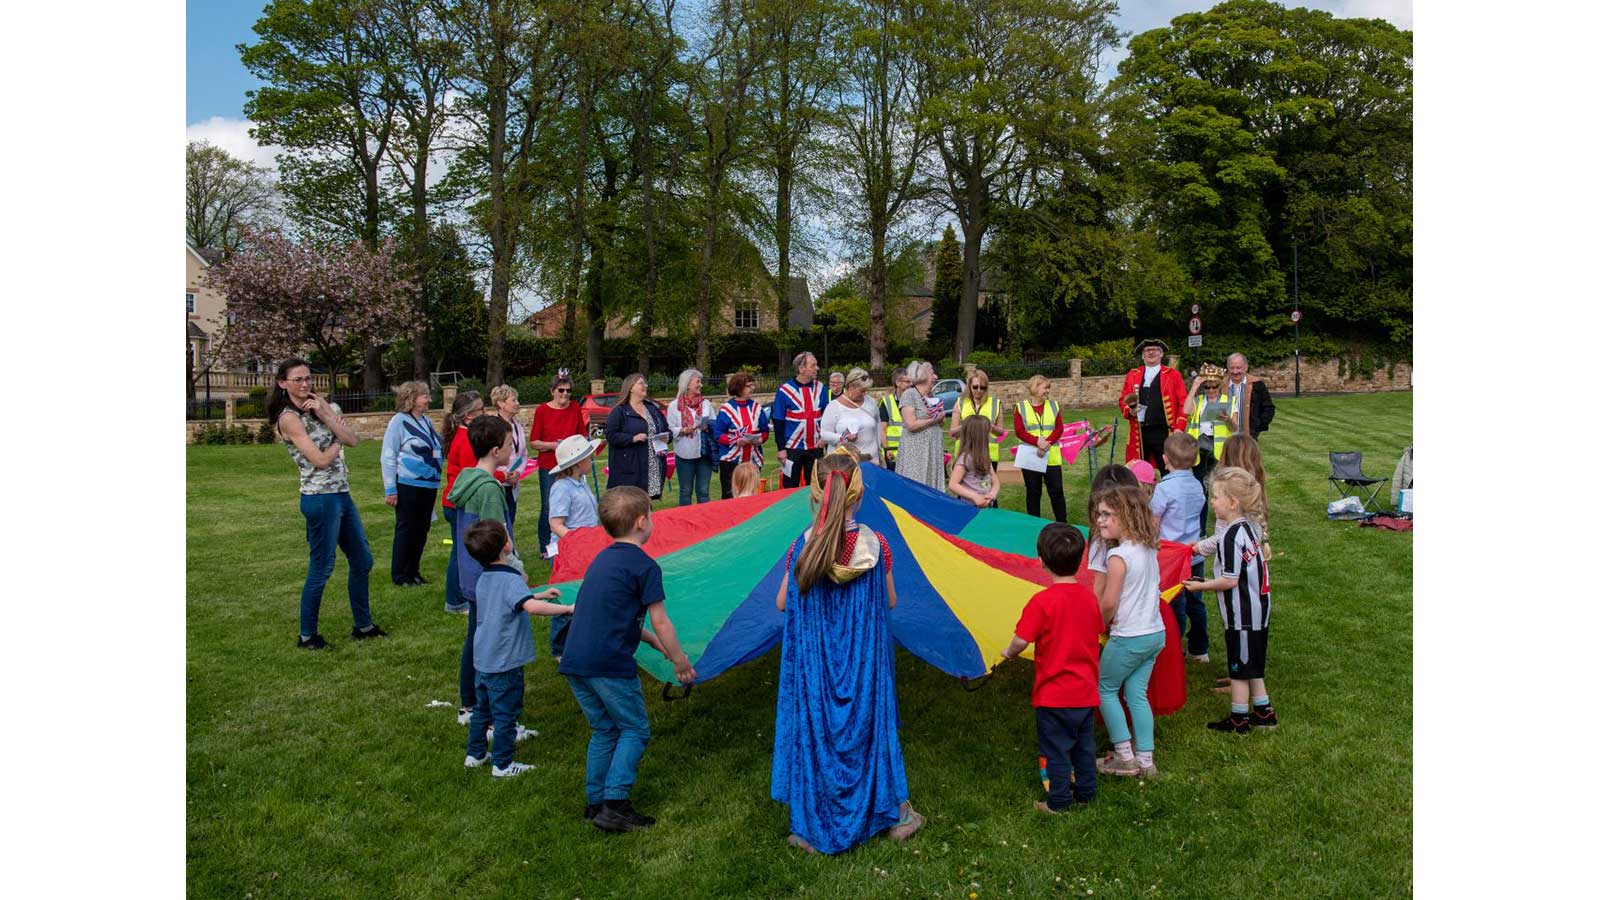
point(502, 645)
point(622, 585)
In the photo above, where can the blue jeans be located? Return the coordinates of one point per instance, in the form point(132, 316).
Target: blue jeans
point(332, 521)
point(511, 507)
point(1190, 607)
point(499, 699)
point(452, 579)
point(1126, 663)
point(469, 674)
point(544, 511)
point(695, 474)
point(615, 710)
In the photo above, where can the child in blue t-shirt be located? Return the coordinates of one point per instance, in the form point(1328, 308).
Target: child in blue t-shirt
point(502, 645)
point(1179, 506)
point(622, 585)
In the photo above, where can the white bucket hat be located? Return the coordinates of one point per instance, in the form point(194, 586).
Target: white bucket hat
point(572, 450)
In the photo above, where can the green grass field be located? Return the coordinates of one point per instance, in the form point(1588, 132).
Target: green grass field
point(326, 775)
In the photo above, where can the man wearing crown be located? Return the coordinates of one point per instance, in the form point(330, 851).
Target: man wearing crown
point(1152, 400)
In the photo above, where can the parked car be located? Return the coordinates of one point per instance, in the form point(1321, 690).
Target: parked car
point(597, 406)
point(949, 391)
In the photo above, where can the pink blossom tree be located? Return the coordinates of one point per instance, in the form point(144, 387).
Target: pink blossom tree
point(327, 302)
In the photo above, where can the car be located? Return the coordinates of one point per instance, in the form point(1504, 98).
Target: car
point(597, 406)
point(949, 391)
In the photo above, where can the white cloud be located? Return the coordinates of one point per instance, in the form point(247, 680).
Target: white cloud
point(1395, 11)
point(233, 135)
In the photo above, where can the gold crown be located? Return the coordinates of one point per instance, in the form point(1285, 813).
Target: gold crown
point(1209, 372)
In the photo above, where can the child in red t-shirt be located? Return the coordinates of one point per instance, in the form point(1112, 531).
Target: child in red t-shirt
point(1063, 622)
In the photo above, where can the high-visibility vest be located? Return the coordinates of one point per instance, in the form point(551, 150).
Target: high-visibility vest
point(991, 411)
point(895, 425)
point(1219, 430)
point(1040, 427)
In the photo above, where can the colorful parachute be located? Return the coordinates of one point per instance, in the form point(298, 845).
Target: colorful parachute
point(961, 577)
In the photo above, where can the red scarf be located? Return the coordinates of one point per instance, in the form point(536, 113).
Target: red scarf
point(688, 408)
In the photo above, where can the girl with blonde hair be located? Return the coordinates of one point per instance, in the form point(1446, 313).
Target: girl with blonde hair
point(1130, 600)
point(746, 479)
point(836, 759)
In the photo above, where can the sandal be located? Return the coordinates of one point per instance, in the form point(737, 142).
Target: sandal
point(910, 821)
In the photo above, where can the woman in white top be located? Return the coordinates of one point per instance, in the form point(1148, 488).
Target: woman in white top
point(852, 419)
point(689, 417)
point(1130, 600)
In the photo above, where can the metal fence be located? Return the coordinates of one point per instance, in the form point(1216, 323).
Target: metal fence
point(203, 410)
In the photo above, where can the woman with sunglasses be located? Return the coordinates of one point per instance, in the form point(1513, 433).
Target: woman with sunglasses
point(975, 401)
point(552, 422)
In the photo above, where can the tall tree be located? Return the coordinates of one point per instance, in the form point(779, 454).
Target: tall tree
point(223, 197)
point(992, 64)
point(946, 290)
point(286, 298)
point(1268, 125)
point(330, 102)
point(422, 66)
point(885, 136)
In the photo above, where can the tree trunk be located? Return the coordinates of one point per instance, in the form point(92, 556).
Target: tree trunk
point(372, 379)
point(782, 232)
point(647, 314)
point(879, 339)
point(596, 308)
point(967, 317)
point(702, 304)
point(498, 90)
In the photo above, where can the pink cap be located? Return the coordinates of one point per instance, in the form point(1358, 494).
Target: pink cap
point(1143, 471)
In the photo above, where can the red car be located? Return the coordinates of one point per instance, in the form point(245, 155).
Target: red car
point(597, 406)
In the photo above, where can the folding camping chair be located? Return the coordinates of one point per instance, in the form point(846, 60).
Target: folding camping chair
point(1345, 475)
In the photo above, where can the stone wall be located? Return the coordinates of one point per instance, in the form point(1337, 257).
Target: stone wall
point(1074, 391)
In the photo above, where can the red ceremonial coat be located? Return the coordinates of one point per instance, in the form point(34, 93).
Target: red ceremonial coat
point(1173, 396)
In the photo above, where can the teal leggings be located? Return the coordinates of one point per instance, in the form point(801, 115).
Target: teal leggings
point(1126, 663)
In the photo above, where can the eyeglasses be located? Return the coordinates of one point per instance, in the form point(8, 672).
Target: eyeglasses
point(979, 387)
point(1105, 514)
point(304, 379)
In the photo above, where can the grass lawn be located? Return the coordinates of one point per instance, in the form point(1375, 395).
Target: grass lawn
point(327, 775)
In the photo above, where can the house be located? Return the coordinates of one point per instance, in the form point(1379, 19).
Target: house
point(911, 300)
point(207, 308)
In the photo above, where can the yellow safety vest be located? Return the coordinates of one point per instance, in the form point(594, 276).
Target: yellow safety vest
point(1040, 428)
point(895, 425)
point(1219, 430)
point(992, 413)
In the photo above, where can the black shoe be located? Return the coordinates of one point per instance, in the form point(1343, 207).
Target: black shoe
point(403, 582)
point(315, 642)
point(372, 631)
point(1232, 723)
point(608, 819)
point(418, 580)
point(590, 810)
point(633, 815)
point(1263, 717)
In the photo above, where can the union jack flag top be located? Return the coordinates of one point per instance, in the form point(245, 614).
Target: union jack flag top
point(802, 414)
point(737, 422)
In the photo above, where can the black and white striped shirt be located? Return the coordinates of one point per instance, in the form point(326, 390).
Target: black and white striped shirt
point(1247, 606)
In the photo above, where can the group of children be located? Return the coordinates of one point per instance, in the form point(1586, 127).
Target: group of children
point(1074, 675)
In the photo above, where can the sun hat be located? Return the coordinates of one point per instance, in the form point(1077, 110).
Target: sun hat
point(1143, 471)
point(573, 449)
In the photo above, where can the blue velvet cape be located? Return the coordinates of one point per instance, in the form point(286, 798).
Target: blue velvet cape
point(836, 753)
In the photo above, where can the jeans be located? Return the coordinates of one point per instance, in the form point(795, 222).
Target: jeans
point(1126, 663)
point(413, 518)
point(544, 511)
point(469, 675)
point(499, 699)
point(511, 507)
point(615, 710)
point(1191, 606)
point(452, 586)
point(695, 475)
point(1066, 741)
point(1049, 479)
point(332, 521)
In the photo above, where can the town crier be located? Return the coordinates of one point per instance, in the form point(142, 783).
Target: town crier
point(1152, 401)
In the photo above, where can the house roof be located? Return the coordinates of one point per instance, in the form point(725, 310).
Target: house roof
point(195, 331)
point(208, 256)
point(798, 294)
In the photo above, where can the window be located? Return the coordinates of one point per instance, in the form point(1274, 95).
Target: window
point(229, 316)
point(190, 298)
point(746, 315)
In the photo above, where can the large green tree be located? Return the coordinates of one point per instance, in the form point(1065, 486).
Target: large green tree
point(946, 293)
point(224, 196)
point(1266, 127)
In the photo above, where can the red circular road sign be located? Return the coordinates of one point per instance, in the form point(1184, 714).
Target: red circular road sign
point(1194, 325)
point(1295, 317)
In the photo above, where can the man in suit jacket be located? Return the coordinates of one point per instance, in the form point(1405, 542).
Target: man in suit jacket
point(1250, 396)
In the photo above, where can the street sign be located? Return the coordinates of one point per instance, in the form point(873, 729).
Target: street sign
point(1295, 317)
point(1194, 325)
point(1194, 340)
point(1195, 309)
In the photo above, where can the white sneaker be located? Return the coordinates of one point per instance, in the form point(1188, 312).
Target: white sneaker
point(474, 762)
point(463, 716)
point(512, 770)
point(522, 733)
point(1200, 658)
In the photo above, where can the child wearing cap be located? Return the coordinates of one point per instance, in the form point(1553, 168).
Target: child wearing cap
point(572, 505)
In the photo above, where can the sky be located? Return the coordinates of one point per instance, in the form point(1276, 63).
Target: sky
point(216, 82)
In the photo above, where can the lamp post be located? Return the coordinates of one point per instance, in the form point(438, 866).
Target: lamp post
point(1296, 316)
point(823, 320)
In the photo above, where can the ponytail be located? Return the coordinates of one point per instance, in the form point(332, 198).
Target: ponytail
point(837, 488)
point(464, 401)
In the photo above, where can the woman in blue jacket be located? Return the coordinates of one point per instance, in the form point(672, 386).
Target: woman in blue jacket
point(631, 431)
point(413, 464)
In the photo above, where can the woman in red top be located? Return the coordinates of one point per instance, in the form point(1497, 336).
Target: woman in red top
point(560, 418)
point(468, 406)
point(1046, 418)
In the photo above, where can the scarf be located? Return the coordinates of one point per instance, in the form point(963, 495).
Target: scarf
point(688, 409)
